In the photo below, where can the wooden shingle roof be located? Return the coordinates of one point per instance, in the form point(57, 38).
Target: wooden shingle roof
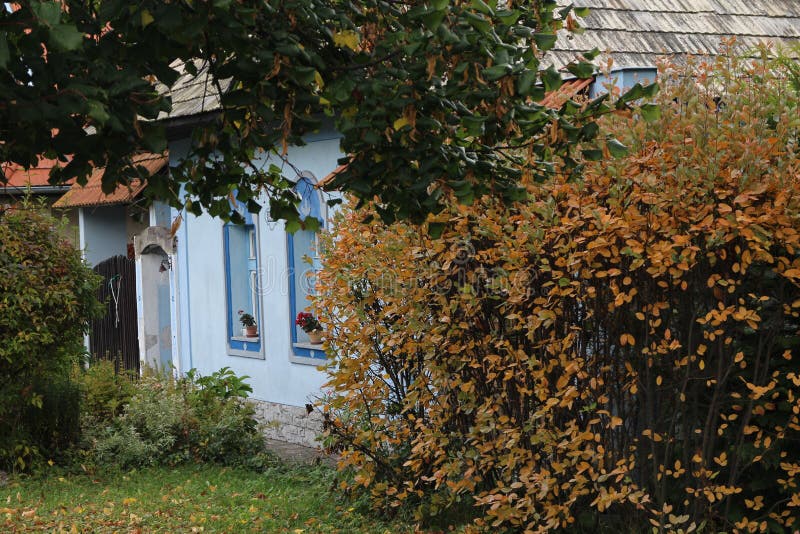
point(634, 33)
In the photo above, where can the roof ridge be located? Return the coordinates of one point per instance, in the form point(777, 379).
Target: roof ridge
point(627, 30)
point(664, 11)
point(661, 53)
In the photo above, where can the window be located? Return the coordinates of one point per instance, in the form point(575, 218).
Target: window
point(303, 248)
point(241, 285)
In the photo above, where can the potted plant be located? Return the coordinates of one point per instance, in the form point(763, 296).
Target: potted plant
point(249, 328)
point(310, 326)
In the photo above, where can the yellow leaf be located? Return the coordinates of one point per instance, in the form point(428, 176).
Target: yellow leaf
point(399, 123)
point(147, 18)
point(346, 38)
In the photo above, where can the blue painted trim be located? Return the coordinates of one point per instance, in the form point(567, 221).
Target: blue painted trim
point(315, 210)
point(235, 344)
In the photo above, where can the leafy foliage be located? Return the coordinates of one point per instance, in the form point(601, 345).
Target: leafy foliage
point(169, 421)
point(432, 99)
point(105, 391)
point(47, 296)
point(618, 354)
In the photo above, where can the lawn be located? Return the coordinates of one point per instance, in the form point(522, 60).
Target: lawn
point(185, 499)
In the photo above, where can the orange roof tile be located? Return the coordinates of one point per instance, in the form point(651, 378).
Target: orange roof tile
point(92, 194)
point(556, 99)
point(331, 176)
point(17, 176)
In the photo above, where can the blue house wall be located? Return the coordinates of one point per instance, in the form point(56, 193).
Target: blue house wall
point(281, 364)
point(283, 375)
point(622, 79)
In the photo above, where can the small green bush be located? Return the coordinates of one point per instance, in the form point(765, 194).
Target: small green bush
point(106, 391)
point(171, 421)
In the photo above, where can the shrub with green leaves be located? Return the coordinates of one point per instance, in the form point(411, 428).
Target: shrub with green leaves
point(105, 391)
point(170, 421)
point(47, 296)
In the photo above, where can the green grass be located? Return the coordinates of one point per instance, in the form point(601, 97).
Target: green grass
point(202, 498)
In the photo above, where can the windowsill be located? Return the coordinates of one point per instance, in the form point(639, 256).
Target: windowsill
point(246, 339)
point(317, 357)
point(309, 346)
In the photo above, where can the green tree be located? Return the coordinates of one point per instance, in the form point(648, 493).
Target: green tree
point(430, 97)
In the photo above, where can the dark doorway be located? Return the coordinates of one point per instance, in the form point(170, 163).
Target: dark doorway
point(115, 336)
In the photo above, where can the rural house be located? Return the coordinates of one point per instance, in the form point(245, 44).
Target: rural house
point(209, 271)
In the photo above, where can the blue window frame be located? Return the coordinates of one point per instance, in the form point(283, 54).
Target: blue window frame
point(302, 247)
point(241, 284)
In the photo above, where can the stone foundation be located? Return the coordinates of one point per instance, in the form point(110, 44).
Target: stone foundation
point(292, 424)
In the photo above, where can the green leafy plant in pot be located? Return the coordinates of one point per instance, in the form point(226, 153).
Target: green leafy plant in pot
point(249, 327)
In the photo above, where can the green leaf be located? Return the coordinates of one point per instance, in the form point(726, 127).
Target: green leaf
point(650, 112)
point(593, 154)
point(98, 111)
point(496, 72)
point(526, 81)
point(616, 148)
point(434, 19)
point(545, 41)
point(589, 131)
point(478, 22)
point(581, 69)
point(435, 229)
point(581, 11)
point(293, 226)
point(634, 93)
point(47, 12)
point(649, 91)
point(480, 5)
point(4, 53)
point(551, 78)
point(66, 37)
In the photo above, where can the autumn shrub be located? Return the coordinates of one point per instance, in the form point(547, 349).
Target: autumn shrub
point(167, 421)
point(616, 354)
point(47, 296)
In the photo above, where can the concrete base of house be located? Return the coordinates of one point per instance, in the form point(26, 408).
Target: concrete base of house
point(292, 424)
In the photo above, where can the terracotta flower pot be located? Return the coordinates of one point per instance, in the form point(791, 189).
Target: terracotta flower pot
point(315, 337)
point(251, 331)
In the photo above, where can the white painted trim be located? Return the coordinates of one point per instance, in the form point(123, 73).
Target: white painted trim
point(304, 360)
